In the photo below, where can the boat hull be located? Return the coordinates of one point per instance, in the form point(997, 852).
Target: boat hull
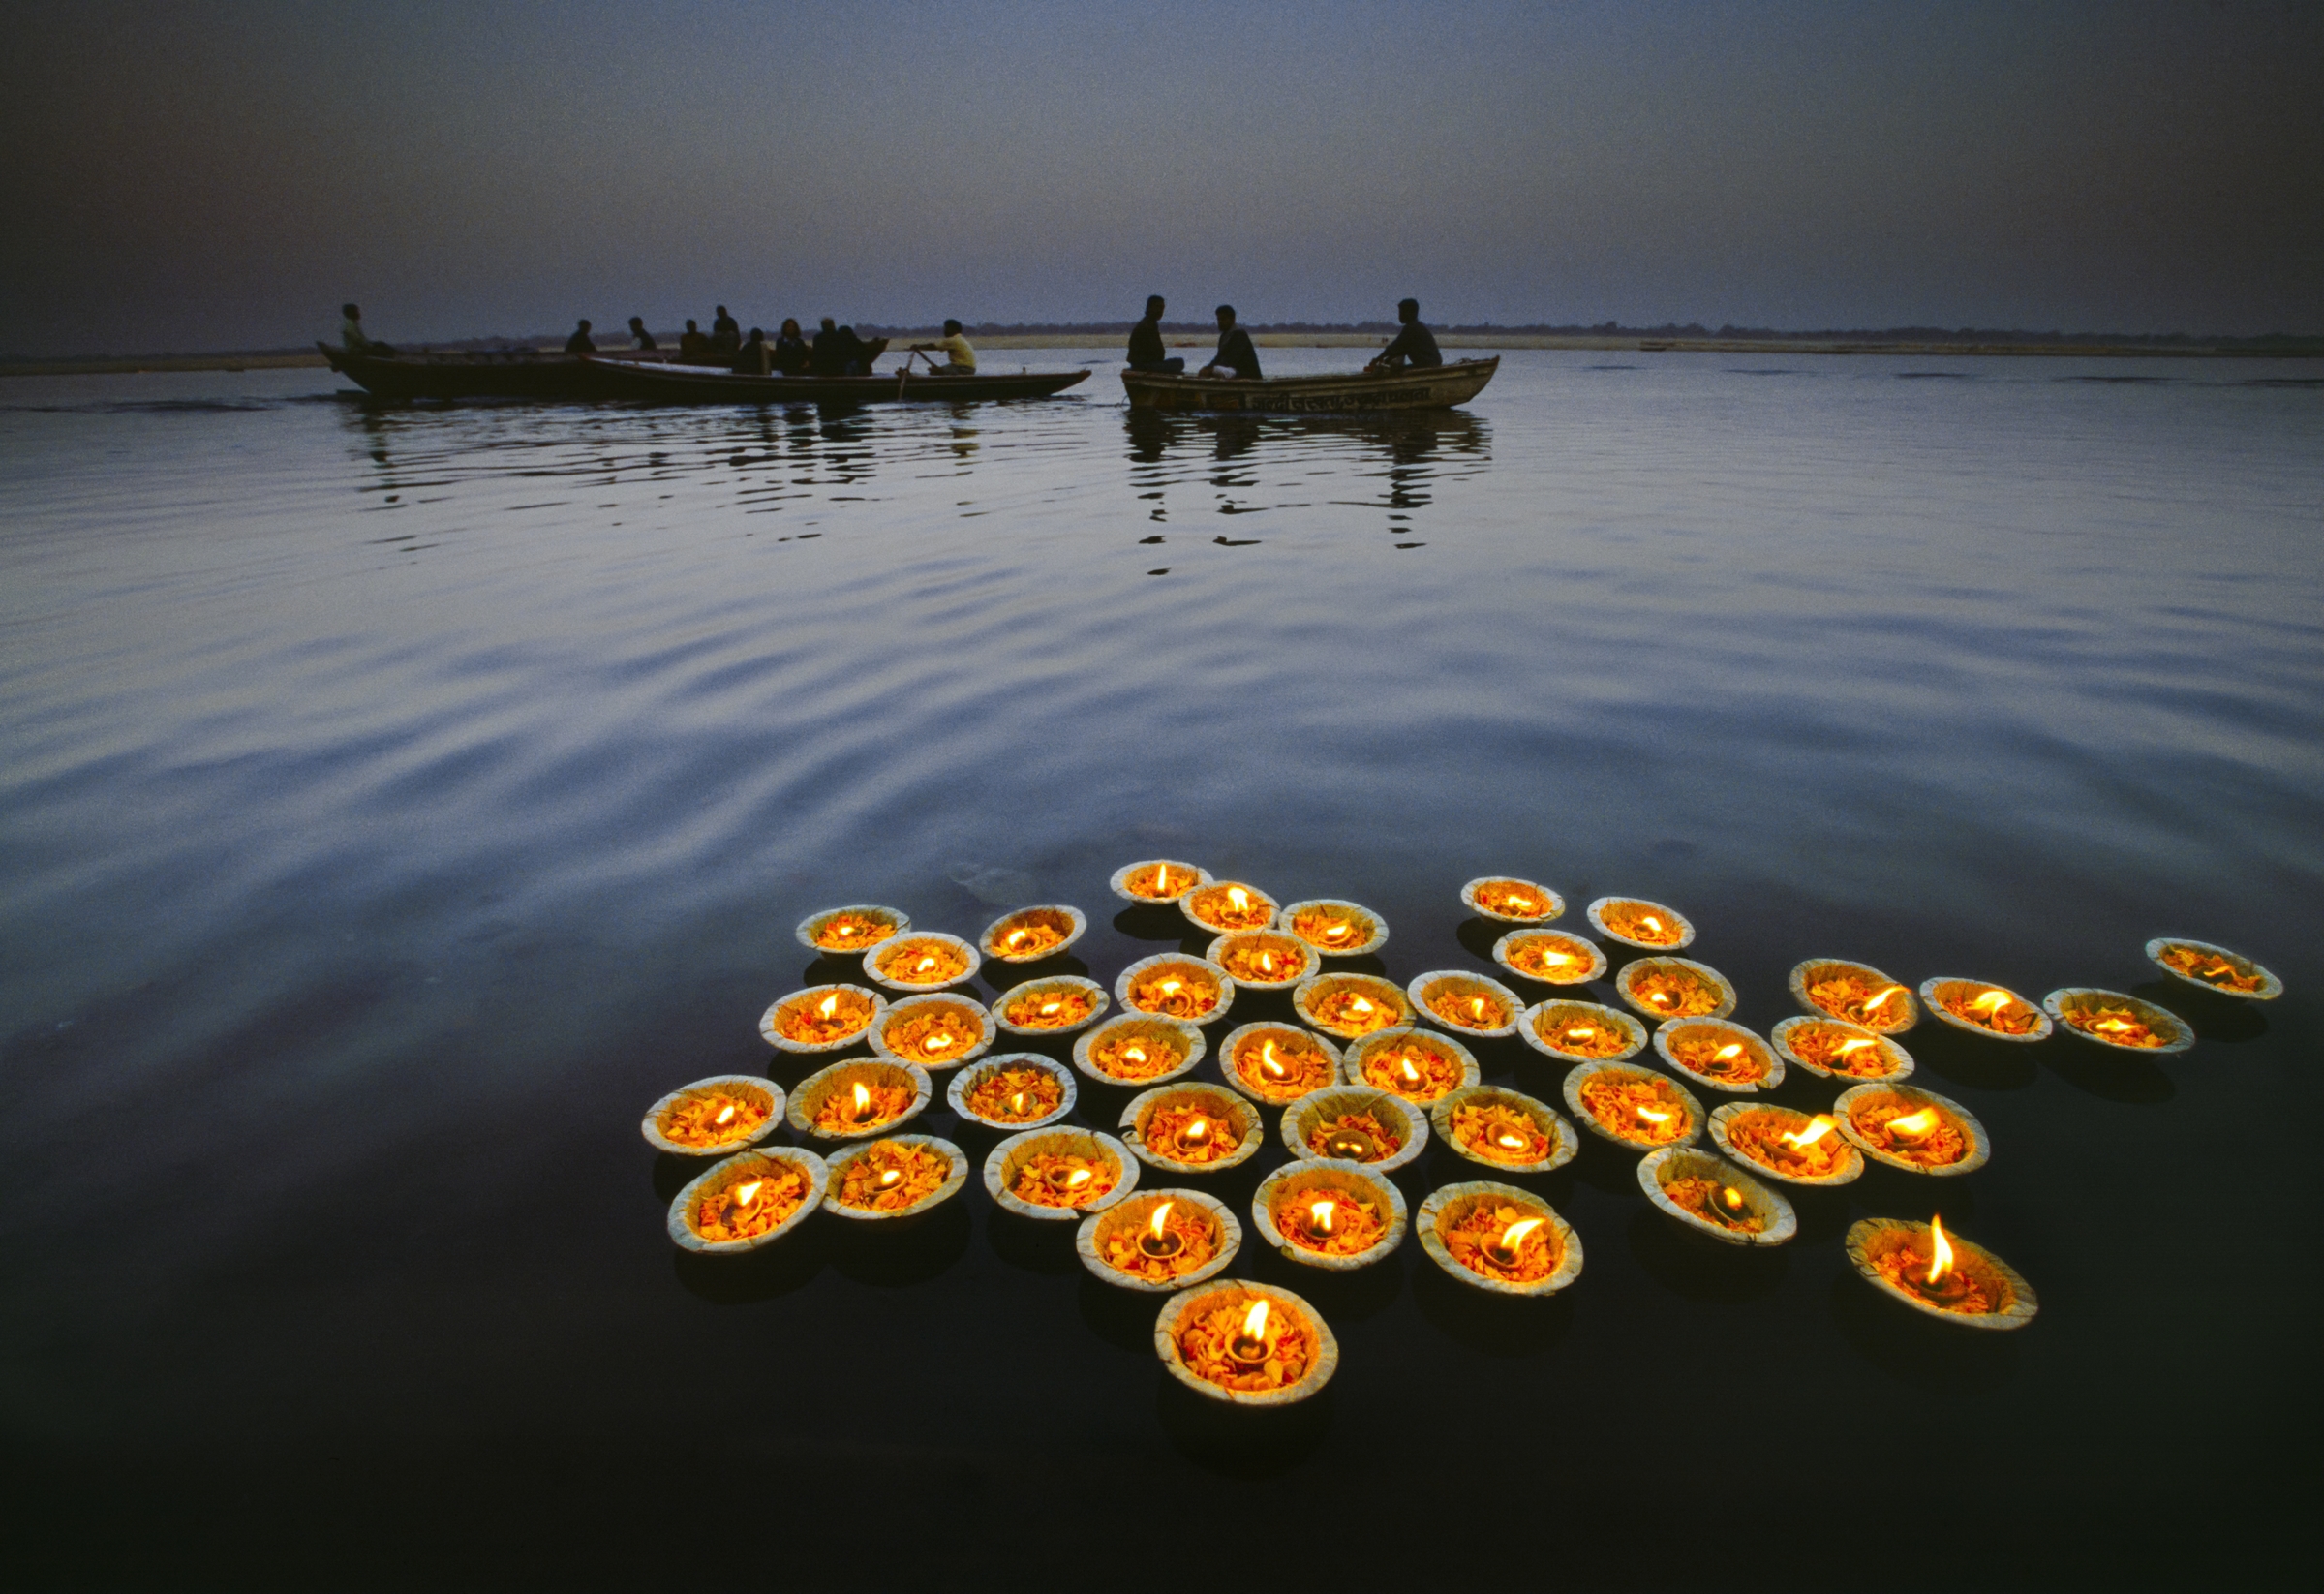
point(1424, 387)
point(707, 384)
point(525, 374)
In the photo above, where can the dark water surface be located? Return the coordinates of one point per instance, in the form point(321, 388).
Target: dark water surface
point(393, 804)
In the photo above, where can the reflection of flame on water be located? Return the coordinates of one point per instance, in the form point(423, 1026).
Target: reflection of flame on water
point(1814, 1130)
point(1940, 1253)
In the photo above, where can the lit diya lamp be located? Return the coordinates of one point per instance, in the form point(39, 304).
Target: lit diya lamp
point(1328, 1215)
point(1498, 1237)
point(1031, 933)
point(1941, 1274)
point(1504, 1129)
point(851, 932)
point(2116, 1019)
point(1511, 901)
point(1637, 922)
point(1675, 988)
point(822, 1018)
point(1336, 929)
point(1855, 993)
point(1837, 1050)
point(1413, 1063)
point(1054, 1007)
point(922, 960)
point(1058, 1174)
point(1016, 1090)
point(1550, 956)
point(2213, 968)
point(1581, 1032)
point(1157, 881)
point(1191, 1128)
point(713, 1116)
point(1355, 1123)
point(1351, 1006)
point(747, 1201)
point(1993, 1011)
point(1916, 1130)
point(1720, 1054)
point(1246, 1344)
point(901, 1176)
point(1159, 1240)
point(1470, 1003)
point(1787, 1145)
point(1714, 1196)
point(1277, 1063)
point(853, 1100)
point(1228, 904)
point(1632, 1105)
point(937, 1031)
point(1262, 960)
point(1136, 1050)
point(1172, 985)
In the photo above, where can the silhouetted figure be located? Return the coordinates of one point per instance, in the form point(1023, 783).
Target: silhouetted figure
point(753, 359)
point(838, 352)
point(352, 336)
point(1146, 342)
point(1415, 345)
point(1235, 357)
point(790, 355)
point(693, 348)
point(578, 343)
point(725, 335)
point(639, 337)
point(960, 360)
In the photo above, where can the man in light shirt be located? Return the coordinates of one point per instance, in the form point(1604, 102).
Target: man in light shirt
point(960, 360)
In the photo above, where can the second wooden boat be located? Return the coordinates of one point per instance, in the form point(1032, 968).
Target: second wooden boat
point(708, 385)
point(1421, 388)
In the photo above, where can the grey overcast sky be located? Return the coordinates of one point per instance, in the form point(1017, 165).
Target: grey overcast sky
point(208, 175)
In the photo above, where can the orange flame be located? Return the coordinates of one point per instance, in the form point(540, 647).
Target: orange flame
point(1729, 1049)
point(1991, 1004)
point(1195, 1133)
point(1813, 1131)
point(1412, 1075)
point(1077, 1179)
point(1361, 1004)
point(892, 1178)
point(1240, 897)
point(863, 1102)
point(1940, 1253)
point(725, 1114)
point(1267, 960)
point(1580, 1032)
point(747, 1192)
point(1856, 1045)
point(1514, 1235)
point(1653, 1117)
point(1254, 1321)
point(1320, 1216)
point(1049, 1009)
point(1133, 1053)
point(1160, 1218)
point(1337, 932)
point(1016, 937)
point(1882, 1001)
point(829, 1005)
point(1266, 1060)
point(1162, 879)
point(1913, 1125)
point(1016, 1102)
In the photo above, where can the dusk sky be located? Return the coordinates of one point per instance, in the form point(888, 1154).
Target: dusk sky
point(191, 176)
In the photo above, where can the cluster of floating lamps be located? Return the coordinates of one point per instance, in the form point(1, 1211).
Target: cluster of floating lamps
point(1367, 1073)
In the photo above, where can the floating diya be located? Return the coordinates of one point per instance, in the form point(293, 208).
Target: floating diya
point(1784, 1144)
point(1262, 960)
point(1511, 901)
point(1057, 1005)
point(1190, 1128)
point(1550, 956)
point(747, 1201)
point(1990, 1010)
point(901, 1176)
point(1136, 1050)
point(822, 1018)
point(851, 932)
point(1336, 1215)
point(1581, 1032)
point(1500, 1239)
point(860, 1098)
point(1916, 1130)
point(922, 960)
point(2213, 968)
point(1247, 1344)
point(1941, 1274)
point(1838, 1050)
point(1720, 1054)
point(1504, 1129)
point(1351, 1006)
point(1277, 1063)
point(2116, 1019)
point(1355, 1123)
point(1015, 1090)
point(1335, 928)
point(1159, 1240)
point(1059, 1175)
point(1632, 1106)
point(1155, 880)
point(934, 1031)
point(1228, 904)
point(1855, 993)
point(1637, 922)
point(1172, 985)
point(1031, 933)
point(1714, 1196)
point(1416, 1064)
point(713, 1116)
point(1470, 1003)
point(1675, 988)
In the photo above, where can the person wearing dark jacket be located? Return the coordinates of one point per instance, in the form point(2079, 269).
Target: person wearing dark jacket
point(753, 359)
point(838, 352)
point(726, 334)
point(1415, 345)
point(579, 342)
point(1235, 357)
point(1146, 342)
point(790, 355)
point(693, 348)
point(639, 338)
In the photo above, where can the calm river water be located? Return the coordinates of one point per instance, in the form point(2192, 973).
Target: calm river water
point(394, 803)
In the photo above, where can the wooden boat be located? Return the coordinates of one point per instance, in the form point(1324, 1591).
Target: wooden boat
point(513, 373)
point(709, 384)
point(1421, 388)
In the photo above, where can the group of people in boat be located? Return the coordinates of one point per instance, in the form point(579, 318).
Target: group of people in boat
point(1235, 357)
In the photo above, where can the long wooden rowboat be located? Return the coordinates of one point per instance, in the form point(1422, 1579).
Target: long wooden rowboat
point(708, 385)
point(1424, 387)
point(522, 373)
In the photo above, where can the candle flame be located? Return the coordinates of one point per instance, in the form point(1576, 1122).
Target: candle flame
point(1880, 1001)
point(1170, 988)
point(1580, 1032)
point(925, 964)
point(863, 1102)
point(1337, 932)
point(1513, 1142)
point(747, 1192)
point(1660, 998)
point(1729, 1049)
point(725, 1113)
point(1477, 1007)
point(1162, 879)
point(1196, 1132)
point(1240, 897)
point(2113, 1026)
point(1133, 1053)
point(1016, 1102)
point(1049, 1009)
point(1254, 1321)
point(1078, 1178)
point(1856, 1045)
point(1514, 1235)
point(1016, 937)
point(1267, 961)
point(1653, 1117)
point(1731, 1199)
point(1321, 1213)
point(943, 1042)
point(889, 1179)
point(1361, 1004)
point(1940, 1252)
point(1991, 1004)
point(1650, 922)
point(830, 1004)
point(1160, 1218)
point(1266, 1060)
point(1412, 1075)
point(1914, 1124)
point(1557, 955)
point(1808, 1134)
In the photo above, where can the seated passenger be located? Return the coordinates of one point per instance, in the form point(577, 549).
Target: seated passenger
point(753, 359)
point(725, 335)
point(693, 348)
point(578, 343)
point(1413, 346)
point(790, 355)
point(1235, 357)
point(960, 360)
point(838, 352)
point(639, 337)
point(1146, 342)
point(352, 336)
